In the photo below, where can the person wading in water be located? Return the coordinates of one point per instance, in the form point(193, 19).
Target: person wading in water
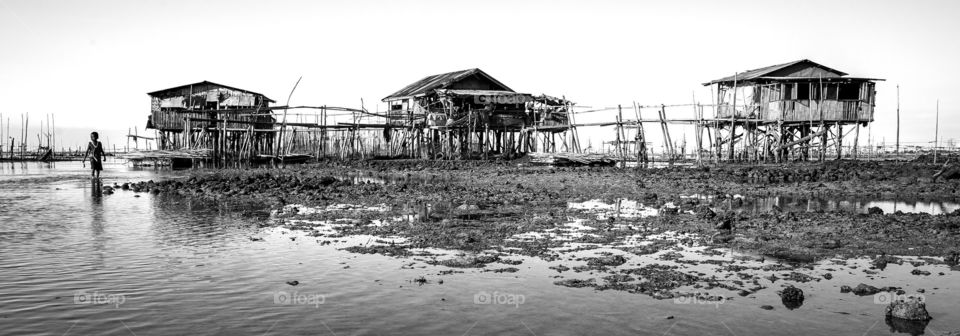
point(95, 151)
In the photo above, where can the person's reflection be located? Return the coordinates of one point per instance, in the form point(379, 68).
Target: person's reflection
point(96, 190)
point(96, 220)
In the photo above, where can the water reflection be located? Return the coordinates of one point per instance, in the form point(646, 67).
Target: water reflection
point(898, 325)
point(98, 238)
point(821, 204)
point(850, 205)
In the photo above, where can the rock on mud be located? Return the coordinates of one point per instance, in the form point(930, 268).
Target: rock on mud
point(912, 309)
point(864, 290)
point(792, 297)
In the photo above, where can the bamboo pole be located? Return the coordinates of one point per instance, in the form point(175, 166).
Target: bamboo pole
point(733, 114)
point(283, 125)
point(897, 150)
point(23, 139)
point(640, 138)
point(668, 141)
point(839, 140)
point(619, 125)
point(856, 141)
point(626, 142)
point(697, 128)
point(936, 133)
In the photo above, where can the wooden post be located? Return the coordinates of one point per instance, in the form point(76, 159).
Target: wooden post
point(622, 155)
point(53, 120)
point(698, 128)
point(897, 150)
point(856, 140)
point(733, 115)
point(936, 133)
point(823, 140)
point(716, 137)
point(733, 137)
point(284, 123)
point(780, 140)
point(668, 142)
point(323, 135)
point(640, 138)
point(839, 141)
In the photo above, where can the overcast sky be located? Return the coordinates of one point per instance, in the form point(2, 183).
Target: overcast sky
point(91, 62)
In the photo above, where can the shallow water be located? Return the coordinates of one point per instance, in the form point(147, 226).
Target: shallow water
point(846, 204)
point(852, 205)
point(76, 263)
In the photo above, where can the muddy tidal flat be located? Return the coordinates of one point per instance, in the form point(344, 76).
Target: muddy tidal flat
point(477, 248)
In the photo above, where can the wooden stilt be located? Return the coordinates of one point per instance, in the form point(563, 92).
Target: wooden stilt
point(856, 140)
point(839, 141)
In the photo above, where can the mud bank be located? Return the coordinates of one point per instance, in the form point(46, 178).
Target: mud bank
point(476, 205)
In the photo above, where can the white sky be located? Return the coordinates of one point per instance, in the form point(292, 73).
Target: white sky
point(91, 62)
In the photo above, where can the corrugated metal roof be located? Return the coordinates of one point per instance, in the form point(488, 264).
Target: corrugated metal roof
point(766, 71)
point(441, 81)
point(154, 93)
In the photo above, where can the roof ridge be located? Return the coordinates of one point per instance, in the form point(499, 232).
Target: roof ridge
point(441, 81)
point(762, 71)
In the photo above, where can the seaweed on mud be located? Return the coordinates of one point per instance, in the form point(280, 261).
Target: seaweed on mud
point(672, 255)
point(388, 250)
point(466, 261)
point(576, 283)
point(534, 248)
point(799, 277)
point(610, 260)
point(882, 261)
point(658, 279)
point(789, 254)
point(651, 248)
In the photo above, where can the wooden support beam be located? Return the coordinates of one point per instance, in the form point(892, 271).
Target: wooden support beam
point(802, 140)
